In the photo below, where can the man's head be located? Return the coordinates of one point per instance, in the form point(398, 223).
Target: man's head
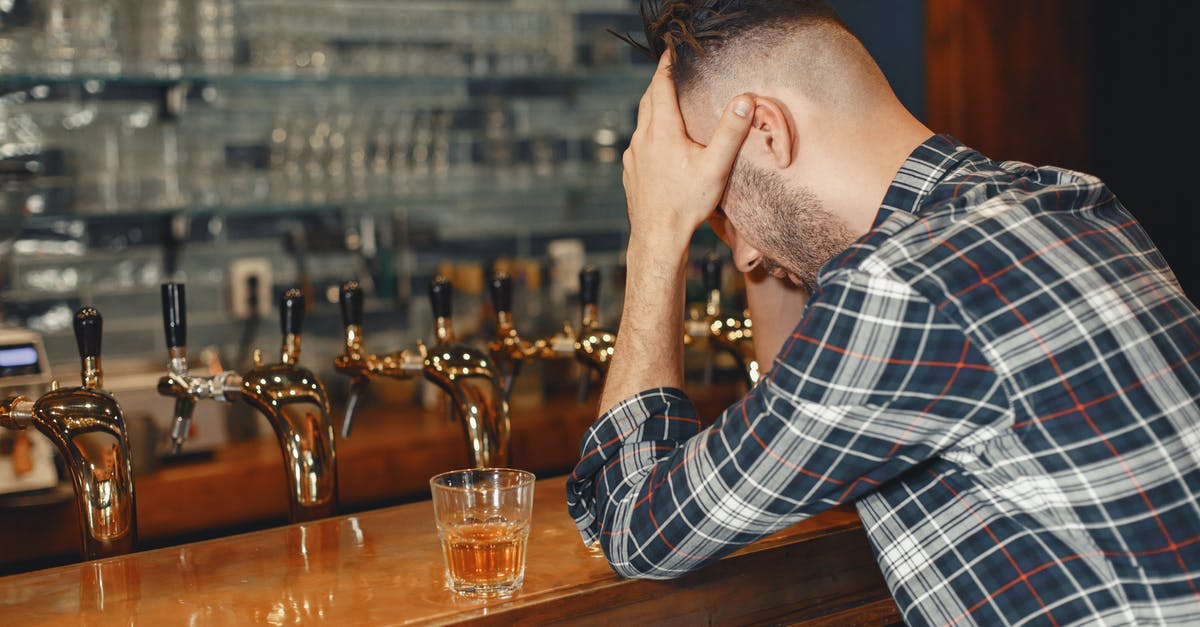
point(828, 133)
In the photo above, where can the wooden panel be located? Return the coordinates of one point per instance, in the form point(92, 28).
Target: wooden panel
point(1009, 78)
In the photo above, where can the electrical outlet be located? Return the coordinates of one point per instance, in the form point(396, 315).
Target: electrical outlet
point(250, 287)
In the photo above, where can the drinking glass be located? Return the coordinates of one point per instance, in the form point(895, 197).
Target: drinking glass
point(483, 517)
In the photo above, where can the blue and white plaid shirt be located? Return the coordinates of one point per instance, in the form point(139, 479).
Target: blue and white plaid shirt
point(1004, 375)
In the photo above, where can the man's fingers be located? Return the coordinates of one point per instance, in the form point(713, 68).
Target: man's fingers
point(644, 108)
point(730, 134)
point(662, 86)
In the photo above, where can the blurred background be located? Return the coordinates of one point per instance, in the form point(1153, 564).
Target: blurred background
point(204, 140)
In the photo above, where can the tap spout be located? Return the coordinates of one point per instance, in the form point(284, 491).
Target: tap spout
point(88, 429)
point(294, 402)
point(296, 405)
point(473, 384)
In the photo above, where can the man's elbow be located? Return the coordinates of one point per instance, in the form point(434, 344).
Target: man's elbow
point(629, 561)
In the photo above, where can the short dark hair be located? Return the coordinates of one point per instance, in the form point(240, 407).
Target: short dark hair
point(693, 29)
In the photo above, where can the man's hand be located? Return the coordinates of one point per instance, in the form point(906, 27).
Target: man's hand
point(672, 183)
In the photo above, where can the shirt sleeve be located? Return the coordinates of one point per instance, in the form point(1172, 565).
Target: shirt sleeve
point(873, 382)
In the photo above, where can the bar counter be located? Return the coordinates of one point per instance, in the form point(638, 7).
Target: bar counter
point(388, 460)
point(385, 567)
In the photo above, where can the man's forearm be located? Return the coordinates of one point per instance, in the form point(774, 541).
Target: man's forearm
point(775, 307)
point(649, 350)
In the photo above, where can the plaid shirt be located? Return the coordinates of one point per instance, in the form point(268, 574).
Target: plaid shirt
point(1004, 375)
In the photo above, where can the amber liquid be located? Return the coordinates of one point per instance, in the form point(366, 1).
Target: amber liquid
point(485, 558)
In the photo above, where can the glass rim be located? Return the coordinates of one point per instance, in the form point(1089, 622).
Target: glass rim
point(525, 478)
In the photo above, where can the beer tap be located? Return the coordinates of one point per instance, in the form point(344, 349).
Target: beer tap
point(356, 363)
point(731, 334)
point(472, 382)
point(87, 426)
point(467, 376)
point(592, 345)
point(290, 396)
point(509, 348)
point(595, 344)
point(224, 386)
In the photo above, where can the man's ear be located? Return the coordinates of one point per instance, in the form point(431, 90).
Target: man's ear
point(770, 126)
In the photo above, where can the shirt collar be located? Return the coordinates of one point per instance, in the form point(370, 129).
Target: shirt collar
point(928, 164)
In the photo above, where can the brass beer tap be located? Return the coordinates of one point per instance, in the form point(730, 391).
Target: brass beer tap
point(87, 426)
point(465, 374)
point(290, 396)
point(509, 348)
point(356, 363)
point(595, 344)
point(592, 346)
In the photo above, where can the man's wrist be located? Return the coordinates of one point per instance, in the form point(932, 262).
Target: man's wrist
point(659, 254)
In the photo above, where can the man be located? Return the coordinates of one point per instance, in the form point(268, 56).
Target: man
point(994, 363)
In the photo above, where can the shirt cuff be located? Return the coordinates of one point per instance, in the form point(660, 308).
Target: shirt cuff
point(657, 415)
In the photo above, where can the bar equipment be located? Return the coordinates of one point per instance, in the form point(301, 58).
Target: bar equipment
point(87, 427)
point(595, 343)
point(508, 349)
point(592, 346)
point(465, 374)
point(356, 363)
point(730, 334)
point(291, 397)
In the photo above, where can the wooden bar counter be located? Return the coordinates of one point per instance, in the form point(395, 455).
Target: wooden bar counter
point(388, 460)
point(385, 567)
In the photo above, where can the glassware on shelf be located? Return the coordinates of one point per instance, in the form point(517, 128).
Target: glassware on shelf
point(215, 35)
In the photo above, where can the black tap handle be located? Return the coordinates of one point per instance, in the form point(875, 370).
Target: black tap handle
point(351, 300)
point(440, 293)
point(88, 325)
point(589, 286)
point(174, 306)
point(712, 273)
point(291, 312)
point(502, 292)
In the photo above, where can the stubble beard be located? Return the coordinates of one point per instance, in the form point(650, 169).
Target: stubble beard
point(788, 224)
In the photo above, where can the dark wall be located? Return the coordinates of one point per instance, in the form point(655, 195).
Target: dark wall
point(893, 31)
point(1143, 120)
